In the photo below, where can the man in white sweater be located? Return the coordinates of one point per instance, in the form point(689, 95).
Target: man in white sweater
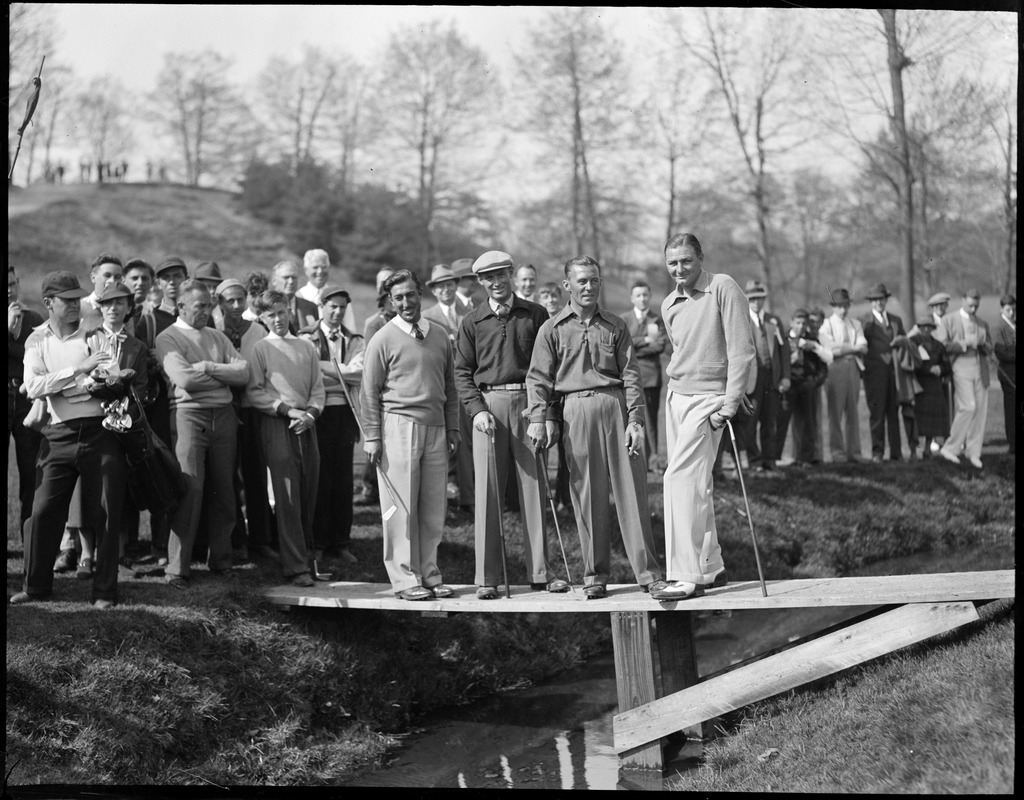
point(201, 366)
point(410, 412)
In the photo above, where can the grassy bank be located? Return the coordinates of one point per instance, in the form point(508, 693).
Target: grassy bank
point(213, 685)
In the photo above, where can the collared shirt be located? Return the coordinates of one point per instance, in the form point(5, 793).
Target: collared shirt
point(406, 327)
point(51, 364)
point(490, 351)
point(573, 356)
point(1008, 321)
point(883, 317)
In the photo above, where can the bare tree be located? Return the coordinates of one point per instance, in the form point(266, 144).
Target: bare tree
point(31, 32)
point(345, 119)
point(575, 86)
point(203, 112)
point(1003, 125)
point(435, 93)
point(752, 59)
point(101, 117)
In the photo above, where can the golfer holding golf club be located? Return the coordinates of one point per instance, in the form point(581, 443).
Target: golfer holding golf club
point(410, 413)
point(708, 319)
point(492, 354)
point(585, 355)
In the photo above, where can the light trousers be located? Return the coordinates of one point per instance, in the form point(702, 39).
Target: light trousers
point(692, 551)
point(843, 391)
point(415, 466)
point(971, 397)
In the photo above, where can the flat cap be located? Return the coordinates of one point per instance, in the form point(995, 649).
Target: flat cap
point(441, 273)
point(492, 259)
point(226, 284)
point(937, 298)
point(63, 284)
point(113, 291)
point(801, 313)
point(331, 290)
point(170, 263)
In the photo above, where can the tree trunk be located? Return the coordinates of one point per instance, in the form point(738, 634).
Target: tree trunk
point(897, 63)
point(1009, 207)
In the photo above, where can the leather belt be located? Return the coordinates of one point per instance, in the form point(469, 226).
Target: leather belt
point(503, 387)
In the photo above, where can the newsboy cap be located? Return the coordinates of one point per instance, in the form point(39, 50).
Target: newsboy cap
point(330, 290)
point(228, 283)
point(755, 288)
point(63, 284)
point(877, 292)
point(938, 298)
point(170, 263)
point(492, 259)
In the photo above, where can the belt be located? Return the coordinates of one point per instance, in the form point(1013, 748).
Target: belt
point(502, 387)
point(592, 392)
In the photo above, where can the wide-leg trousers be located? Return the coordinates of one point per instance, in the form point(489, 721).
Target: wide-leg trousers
point(415, 465)
point(336, 432)
point(971, 396)
point(600, 469)
point(692, 551)
point(842, 388)
point(294, 463)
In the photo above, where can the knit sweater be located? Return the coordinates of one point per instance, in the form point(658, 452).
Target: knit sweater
point(201, 365)
point(412, 378)
point(285, 370)
point(713, 347)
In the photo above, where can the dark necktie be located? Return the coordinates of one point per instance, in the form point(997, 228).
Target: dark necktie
point(417, 332)
point(502, 311)
point(333, 336)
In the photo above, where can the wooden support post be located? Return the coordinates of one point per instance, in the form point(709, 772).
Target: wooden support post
point(635, 729)
point(677, 653)
point(634, 679)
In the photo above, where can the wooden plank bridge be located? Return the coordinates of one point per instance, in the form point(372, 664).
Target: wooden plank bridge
point(659, 690)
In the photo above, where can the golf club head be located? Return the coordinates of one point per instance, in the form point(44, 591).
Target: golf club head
point(390, 512)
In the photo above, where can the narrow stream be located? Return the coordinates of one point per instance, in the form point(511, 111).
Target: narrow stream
point(559, 736)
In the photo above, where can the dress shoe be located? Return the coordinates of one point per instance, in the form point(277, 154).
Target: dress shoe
point(348, 556)
point(595, 591)
point(66, 561)
point(654, 586)
point(125, 570)
point(975, 462)
point(303, 579)
point(176, 581)
point(20, 598)
point(240, 554)
point(555, 586)
point(441, 591)
point(84, 569)
point(487, 593)
point(415, 593)
point(680, 590)
point(949, 455)
point(721, 579)
point(103, 605)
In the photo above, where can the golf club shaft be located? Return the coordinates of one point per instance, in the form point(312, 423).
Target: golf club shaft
point(554, 515)
point(501, 524)
point(750, 521)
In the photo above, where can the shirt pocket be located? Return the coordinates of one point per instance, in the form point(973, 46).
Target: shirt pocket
point(605, 359)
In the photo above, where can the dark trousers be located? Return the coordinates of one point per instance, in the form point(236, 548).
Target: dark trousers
point(883, 410)
point(336, 433)
point(26, 449)
point(84, 449)
point(767, 402)
point(159, 416)
point(1009, 410)
point(652, 397)
point(253, 469)
point(802, 409)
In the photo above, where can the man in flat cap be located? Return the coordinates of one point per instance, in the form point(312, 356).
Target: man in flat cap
point(317, 266)
point(337, 429)
point(201, 366)
point(771, 382)
point(58, 363)
point(584, 355)
point(844, 338)
point(492, 356)
point(448, 313)
point(285, 279)
point(1006, 358)
point(883, 331)
point(968, 342)
point(410, 412)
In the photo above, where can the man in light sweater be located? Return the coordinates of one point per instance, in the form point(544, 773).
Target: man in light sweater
point(201, 366)
point(708, 320)
point(286, 386)
point(410, 413)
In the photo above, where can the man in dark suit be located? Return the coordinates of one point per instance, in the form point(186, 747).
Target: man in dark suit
point(649, 341)
point(1006, 356)
point(21, 321)
point(285, 279)
point(772, 364)
point(448, 313)
point(882, 331)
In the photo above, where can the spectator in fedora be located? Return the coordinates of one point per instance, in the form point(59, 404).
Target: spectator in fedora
point(1006, 359)
point(449, 315)
point(808, 372)
point(771, 382)
point(968, 342)
point(466, 292)
point(844, 338)
point(931, 410)
point(882, 331)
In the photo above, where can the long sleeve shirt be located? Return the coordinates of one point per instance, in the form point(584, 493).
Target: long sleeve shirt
point(713, 347)
point(571, 356)
point(409, 377)
point(51, 364)
point(492, 352)
point(285, 372)
point(842, 337)
point(201, 365)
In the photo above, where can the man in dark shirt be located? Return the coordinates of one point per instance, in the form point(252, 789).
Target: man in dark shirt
point(21, 321)
point(492, 356)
